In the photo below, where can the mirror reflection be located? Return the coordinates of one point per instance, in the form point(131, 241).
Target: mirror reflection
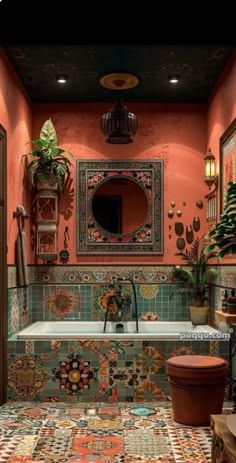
point(120, 205)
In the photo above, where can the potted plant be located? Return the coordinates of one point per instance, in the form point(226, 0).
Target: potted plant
point(50, 166)
point(223, 234)
point(196, 277)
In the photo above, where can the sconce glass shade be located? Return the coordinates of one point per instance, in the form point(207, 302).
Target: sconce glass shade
point(118, 124)
point(210, 169)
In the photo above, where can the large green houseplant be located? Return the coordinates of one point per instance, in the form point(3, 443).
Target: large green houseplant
point(223, 235)
point(49, 165)
point(196, 278)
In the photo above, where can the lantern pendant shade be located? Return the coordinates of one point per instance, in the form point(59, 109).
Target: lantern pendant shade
point(119, 125)
point(210, 168)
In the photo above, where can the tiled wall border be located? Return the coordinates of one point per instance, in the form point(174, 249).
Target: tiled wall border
point(101, 274)
point(12, 276)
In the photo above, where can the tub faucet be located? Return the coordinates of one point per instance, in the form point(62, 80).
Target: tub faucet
point(122, 303)
point(135, 299)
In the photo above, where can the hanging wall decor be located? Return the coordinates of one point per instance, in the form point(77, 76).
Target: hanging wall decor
point(189, 234)
point(108, 219)
point(46, 219)
point(196, 224)
point(179, 228)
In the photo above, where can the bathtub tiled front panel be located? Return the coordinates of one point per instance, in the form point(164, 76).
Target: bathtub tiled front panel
point(107, 371)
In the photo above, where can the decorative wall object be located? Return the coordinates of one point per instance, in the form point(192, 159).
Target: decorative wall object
point(179, 228)
point(189, 234)
point(227, 161)
point(199, 203)
point(116, 186)
point(211, 208)
point(180, 243)
point(46, 218)
point(196, 224)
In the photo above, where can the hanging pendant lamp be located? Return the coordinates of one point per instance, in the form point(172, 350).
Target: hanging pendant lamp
point(119, 125)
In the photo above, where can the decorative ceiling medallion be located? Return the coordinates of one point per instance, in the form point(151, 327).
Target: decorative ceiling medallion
point(119, 81)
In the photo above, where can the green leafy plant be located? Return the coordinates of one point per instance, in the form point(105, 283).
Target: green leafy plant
point(224, 233)
point(196, 276)
point(49, 165)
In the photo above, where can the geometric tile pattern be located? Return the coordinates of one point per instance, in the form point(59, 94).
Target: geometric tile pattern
point(106, 371)
point(100, 274)
point(26, 377)
point(143, 433)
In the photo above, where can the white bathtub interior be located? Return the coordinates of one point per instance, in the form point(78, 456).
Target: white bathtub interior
point(94, 330)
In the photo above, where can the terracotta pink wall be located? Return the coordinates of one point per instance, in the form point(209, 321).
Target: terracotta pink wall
point(174, 133)
point(16, 118)
point(221, 112)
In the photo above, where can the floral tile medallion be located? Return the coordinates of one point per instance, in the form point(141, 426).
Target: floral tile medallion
point(26, 377)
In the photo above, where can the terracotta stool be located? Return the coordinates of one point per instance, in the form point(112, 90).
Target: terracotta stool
point(197, 387)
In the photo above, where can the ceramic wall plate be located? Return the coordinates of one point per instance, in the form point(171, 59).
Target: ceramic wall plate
point(231, 423)
point(180, 243)
point(179, 228)
point(196, 223)
point(189, 234)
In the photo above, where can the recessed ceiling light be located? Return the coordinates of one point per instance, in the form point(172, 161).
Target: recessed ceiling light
point(174, 79)
point(62, 79)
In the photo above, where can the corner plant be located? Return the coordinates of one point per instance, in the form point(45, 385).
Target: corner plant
point(224, 233)
point(196, 276)
point(49, 163)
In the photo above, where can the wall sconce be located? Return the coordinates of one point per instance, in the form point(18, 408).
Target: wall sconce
point(210, 170)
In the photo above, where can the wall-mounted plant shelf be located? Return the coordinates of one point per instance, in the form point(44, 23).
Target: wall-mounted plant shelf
point(227, 317)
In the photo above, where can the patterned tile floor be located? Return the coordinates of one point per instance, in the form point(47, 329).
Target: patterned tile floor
point(99, 433)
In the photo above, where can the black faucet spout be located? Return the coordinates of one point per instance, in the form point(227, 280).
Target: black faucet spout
point(122, 302)
point(129, 280)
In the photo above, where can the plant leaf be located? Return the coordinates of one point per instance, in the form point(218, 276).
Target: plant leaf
point(48, 133)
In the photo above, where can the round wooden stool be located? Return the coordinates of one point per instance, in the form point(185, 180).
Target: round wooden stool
point(197, 387)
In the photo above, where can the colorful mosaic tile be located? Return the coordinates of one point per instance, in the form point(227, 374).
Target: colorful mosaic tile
point(103, 299)
point(149, 316)
point(74, 374)
point(68, 433)
point(103, 371)
point(60, 302)
point(150, 360)
point(100, 274)
point(149, 291)
point(26, 377)
point(12, 276)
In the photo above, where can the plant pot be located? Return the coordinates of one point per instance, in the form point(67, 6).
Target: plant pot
point(197, 386)
point(47, 185)
point(199, 315)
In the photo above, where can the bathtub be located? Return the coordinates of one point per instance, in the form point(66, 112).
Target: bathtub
point(124, 367)
point(71, 330)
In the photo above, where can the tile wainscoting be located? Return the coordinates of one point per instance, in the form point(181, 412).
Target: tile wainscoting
point(105, 371)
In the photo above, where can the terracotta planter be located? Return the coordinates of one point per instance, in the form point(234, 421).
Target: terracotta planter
point(197, 386)
point(49, 185)
point(199, 315)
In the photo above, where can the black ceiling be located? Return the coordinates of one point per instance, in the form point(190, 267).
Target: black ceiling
point(198, 66)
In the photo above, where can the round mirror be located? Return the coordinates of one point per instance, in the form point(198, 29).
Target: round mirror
point(120, 205)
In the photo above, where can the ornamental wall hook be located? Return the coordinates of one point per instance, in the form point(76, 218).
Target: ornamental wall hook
point(196, 224)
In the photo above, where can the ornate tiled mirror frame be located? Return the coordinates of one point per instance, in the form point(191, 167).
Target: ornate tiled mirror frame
point(91, 237)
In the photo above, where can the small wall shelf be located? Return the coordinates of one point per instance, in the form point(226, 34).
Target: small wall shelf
point(227, 317)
